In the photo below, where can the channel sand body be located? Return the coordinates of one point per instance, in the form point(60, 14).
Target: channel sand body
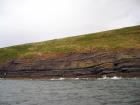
point(111, 53)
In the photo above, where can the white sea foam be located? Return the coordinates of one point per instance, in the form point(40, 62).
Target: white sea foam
point(57, 79)
point(105, 77)
point(61, 78)
point(53, 79)
point(75, 78)
point(64, 78)
point(115, 77)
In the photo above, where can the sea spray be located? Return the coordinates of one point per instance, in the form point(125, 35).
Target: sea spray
point(105, 77)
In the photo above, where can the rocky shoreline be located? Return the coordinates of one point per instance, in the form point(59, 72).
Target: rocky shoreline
point(125, 63)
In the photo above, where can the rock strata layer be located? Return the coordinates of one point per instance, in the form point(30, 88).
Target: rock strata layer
point(89, 64)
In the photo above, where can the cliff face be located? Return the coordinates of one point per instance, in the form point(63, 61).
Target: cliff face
point(95, 63)
point(115, 52)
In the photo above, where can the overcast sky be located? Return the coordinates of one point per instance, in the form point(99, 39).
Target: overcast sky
point(24, 21)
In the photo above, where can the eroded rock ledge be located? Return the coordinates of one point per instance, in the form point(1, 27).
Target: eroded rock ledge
point(124, 62)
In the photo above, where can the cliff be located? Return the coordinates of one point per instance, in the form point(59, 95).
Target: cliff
point(114, 52)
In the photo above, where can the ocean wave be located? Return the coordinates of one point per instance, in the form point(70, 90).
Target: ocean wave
point(105, 77)
point(68, 79)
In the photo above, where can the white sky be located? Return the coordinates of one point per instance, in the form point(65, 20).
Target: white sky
point(24, 21)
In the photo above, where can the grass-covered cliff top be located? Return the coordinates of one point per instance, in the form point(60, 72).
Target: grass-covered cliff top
point(113, 39)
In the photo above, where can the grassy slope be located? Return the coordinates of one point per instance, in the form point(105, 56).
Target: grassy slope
point(114, 39)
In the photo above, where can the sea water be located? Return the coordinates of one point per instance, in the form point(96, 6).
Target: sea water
point(101, 91)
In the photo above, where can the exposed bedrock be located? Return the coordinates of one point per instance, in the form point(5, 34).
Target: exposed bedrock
point(95, 63)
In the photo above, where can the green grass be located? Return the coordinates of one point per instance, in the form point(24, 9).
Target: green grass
point(113, 39)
